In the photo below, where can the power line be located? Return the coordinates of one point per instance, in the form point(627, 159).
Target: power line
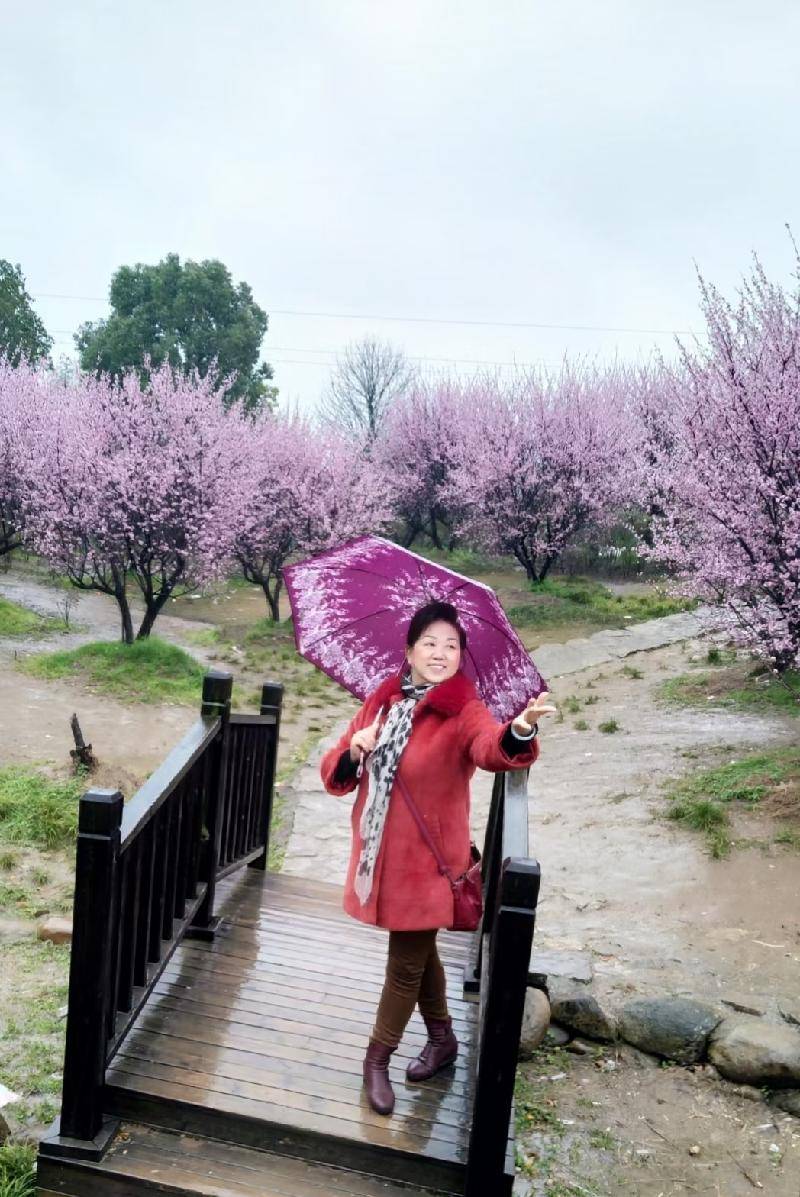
point(296, 312)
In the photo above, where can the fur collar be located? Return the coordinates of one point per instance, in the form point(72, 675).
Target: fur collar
point(448, 698)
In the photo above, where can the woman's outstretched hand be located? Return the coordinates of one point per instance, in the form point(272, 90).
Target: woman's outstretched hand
point(364, 741)
point(534, 710)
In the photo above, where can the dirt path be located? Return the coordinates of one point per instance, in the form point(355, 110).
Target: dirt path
point(658, 915)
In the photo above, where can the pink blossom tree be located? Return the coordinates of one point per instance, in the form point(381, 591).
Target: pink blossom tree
point(128, 485)
point(417, 448)
point(299, 491)
point(540, 461)
point(730, 467)
point(19, 387)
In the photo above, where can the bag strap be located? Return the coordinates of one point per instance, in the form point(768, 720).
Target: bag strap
point(423, 830)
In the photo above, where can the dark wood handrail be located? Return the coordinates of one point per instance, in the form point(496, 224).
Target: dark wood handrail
point(151, 796)
point(499, 972)
point(145, 877)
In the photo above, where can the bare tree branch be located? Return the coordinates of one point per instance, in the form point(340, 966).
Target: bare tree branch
point(367, 379)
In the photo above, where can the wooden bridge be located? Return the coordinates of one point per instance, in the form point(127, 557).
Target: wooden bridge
point(218, 1015)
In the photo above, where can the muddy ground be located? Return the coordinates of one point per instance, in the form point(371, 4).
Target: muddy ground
point(640, 894)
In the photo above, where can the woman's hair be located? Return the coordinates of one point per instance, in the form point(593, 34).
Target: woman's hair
point(429, 614)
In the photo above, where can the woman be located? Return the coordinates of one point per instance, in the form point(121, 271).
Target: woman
point(429, 724)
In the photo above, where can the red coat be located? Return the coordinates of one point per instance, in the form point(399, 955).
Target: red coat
point(452, 734)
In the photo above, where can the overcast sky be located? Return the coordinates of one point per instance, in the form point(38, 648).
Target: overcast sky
point(443, 160)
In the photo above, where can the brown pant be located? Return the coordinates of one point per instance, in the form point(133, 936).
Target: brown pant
point(414, 974)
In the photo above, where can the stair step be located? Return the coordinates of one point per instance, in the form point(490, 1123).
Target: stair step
point(376, 1146)
point(144, 1159)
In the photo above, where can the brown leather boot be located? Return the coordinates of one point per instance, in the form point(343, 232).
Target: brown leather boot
point(440, 1050)
point(376, 1077)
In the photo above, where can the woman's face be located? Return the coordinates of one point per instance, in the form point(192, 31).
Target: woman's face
point(436, 656)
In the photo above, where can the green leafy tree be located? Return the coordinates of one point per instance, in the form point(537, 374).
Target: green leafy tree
point(22, 334)
point(191, 315)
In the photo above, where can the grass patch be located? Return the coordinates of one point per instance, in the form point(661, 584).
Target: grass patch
point(149, 670)
point(632, 672)
point(21, 621)
point(204, 637)
point(770, 780)
point(609, 726)
point(37, 810)
point(581, 725)
point(17, 1170)
point(32, 1040)
point(584, 600)
point(736, 685)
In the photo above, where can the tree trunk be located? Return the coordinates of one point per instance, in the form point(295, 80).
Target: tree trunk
point(272, 595)
point(146, 626)
point(125, 616)
point(434, 533)
point(527, 564)
point(410, 533)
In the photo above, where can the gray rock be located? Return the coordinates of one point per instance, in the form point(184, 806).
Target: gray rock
point(535, 1021)
point(788, 1101)
point(572, 966)
point(790, 1010)
point(578, 1047)
point(556, 1036)
point(676, 1028)
point(756, 1052)
point(582, 1013)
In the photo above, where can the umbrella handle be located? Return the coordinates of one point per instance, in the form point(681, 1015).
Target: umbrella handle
point(361, 757)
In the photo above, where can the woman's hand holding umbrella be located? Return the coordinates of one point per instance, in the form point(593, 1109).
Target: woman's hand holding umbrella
point(524, 722)
point(364, 741)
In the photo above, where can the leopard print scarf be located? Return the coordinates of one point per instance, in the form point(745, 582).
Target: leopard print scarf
point(382, 767)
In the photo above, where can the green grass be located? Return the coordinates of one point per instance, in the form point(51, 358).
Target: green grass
point(17, 1175)
point(583, 600)
point(32, 1038)
point(204, 637)
point(37, 810)
point(735, 686)
point(703, 799)
point(149, 670)
point(632, 672)
point(609, 726)
point(21, 621)
point(581, 725)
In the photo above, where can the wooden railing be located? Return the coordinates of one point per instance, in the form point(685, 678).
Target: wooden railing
point(146, 874)
point(499, 971)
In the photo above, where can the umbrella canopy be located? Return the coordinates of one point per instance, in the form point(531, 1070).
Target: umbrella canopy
point(352, 606)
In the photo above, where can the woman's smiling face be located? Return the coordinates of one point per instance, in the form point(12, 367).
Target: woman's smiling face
point(436, 656)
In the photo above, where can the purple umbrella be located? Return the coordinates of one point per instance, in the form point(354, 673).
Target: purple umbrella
point(352, 607)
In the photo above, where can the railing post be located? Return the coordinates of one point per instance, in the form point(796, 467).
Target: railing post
point(217, 691)
point(271, 703)
point(501, 1025)
point(97, 859)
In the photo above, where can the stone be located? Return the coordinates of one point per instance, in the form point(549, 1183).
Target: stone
point(676, 1028)
point(581, 1012)
point(552, 962)
point(790, 1011)
point(535, 1021)
point(56, 929)
point(756, 1052)
point(578, 1047)
point(788, 1101)
point(557, 1036)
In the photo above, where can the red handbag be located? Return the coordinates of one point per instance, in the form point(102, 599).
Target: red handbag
point(468, 888)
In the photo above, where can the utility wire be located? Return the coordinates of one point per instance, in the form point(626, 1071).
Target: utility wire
point(662, 332)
